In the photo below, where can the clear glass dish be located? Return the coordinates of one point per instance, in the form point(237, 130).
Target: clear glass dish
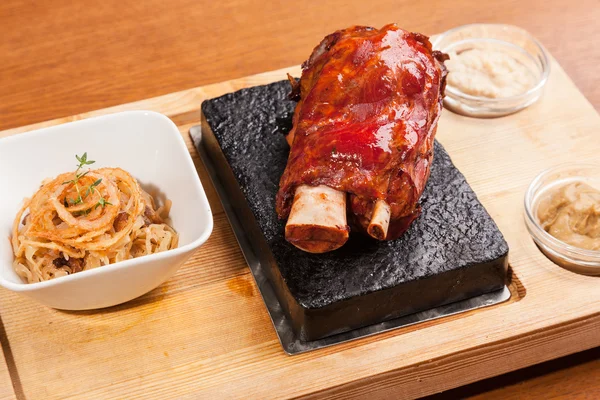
point(510, 40)
point(573, 258)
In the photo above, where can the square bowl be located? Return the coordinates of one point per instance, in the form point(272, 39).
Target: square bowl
point(146, 144)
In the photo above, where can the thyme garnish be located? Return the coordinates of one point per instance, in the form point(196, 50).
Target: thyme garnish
point(102, 202)
point(83, 161)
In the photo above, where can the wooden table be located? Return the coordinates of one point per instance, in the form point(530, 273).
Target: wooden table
point(67, 57)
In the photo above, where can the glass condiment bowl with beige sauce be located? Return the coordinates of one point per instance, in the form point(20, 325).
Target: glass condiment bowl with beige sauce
point(562, 213)
point(494, 69)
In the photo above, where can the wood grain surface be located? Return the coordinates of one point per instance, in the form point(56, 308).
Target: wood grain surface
point(62, 58)
point(65, 57)
point(205, 333)
point(7, 392)
point(543, 381)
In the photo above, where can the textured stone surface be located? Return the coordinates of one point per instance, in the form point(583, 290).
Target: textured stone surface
point(452, 251)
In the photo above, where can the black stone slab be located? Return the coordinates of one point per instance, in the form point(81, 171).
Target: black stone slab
point(453, 251)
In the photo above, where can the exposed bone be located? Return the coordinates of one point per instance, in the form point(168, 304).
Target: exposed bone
point(378, 227)
point(317, 221)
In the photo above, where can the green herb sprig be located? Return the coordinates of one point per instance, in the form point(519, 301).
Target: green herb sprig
point(102, 202)
point(83, 161)
point(92, 188)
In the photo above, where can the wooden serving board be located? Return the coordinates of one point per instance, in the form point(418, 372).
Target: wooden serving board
point(7, 392)
point(206, 333)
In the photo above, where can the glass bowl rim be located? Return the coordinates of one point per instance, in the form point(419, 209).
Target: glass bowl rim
point(545, 61)
point(563, 249)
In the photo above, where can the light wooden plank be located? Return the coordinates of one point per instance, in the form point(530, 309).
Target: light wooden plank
point(206, 333)
point(7, 391)
point(155, 47)
point(185, 103)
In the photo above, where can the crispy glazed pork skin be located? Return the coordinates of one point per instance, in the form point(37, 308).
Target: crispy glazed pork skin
point(369, 102)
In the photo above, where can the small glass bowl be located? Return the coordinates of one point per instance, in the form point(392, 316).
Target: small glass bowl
point(573, 258)
point(511, 40)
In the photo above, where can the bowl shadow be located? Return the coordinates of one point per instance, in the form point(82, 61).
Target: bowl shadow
point(154, 296)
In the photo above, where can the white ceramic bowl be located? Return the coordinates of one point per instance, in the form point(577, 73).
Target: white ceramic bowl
point(146, 144)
